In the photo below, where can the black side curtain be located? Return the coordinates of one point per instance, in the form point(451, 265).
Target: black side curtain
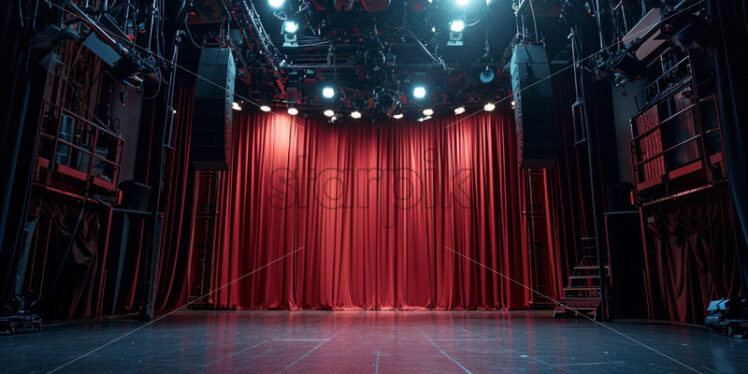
point(731, 35)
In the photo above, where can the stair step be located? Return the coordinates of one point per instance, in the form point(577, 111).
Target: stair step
point(584, 276)
point(589, 267)
point(578, 299)
point(582, 288)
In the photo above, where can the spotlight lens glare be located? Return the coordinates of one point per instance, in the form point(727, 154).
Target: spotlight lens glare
point(276, 3)
point(264, 108)
point(460, 110)
point(328, 92)
point(356, 114)
point(329, 113)
point(236, 106)
point(419, 92)
point(457, 25)
point(293, 111)
point(462, 2)
point(427, 112)
point(398, 116)
point(290, 27)
point(489, 107)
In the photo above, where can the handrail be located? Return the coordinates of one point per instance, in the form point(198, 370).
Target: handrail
point(664, 151)
point(663, 122)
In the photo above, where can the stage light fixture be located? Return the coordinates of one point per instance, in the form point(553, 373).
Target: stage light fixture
point(419, 92)
point(487, 75)
point(289, 30)
point(489, 107)
point(275, 4)
point(398, 116)
point(293, 111)
point(455, 36)
point(462, 2)
point(329, 112)
point(460, 110)
point(457, 25)
point(328, 92)
point(290, 27)
point(356, 114)
point(236, 106)
point(426, 118)
point(428, 112)
point(265, 108)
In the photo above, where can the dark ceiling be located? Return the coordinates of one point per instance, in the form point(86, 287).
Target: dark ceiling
point(372, 59)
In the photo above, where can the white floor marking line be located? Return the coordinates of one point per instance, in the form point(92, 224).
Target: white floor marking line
point(444, 353)
point(575, 311)
point(308, 353)
point(173, 311)
point(235, 354)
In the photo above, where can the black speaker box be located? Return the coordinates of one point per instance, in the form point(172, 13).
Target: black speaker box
point(537, 132)
point(214, 95)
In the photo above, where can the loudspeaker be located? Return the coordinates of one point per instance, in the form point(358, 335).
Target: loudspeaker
point(211, 125)
point(537, 133)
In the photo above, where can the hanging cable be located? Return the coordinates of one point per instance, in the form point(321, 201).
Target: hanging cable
point(534, 22)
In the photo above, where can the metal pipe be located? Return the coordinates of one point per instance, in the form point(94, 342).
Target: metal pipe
point(96, 29)
point(599, 24)
point(592, 159)
point(152, 276)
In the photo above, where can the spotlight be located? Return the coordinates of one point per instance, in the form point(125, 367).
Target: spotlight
point(293, 111)
point(428, 111)
point(419, 92)
point(462, 2)
point(398, 116)
point(512, 104)
point(236, 106)
point(460, 110)
point(275, 4)
point(489, 107)
point(457, 25)
point(455, 36)
point(290, 27)
point(289, 30)
point(356, 114)
point(328, 92)
point(487, 75)
point(329, 113)
point(264, 108)
point(424, 118)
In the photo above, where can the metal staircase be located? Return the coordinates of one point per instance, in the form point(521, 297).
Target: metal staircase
point(582, 293)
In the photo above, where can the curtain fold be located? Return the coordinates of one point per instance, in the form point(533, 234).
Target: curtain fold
point(173, 278)
point(394, 215)
point(695, 260)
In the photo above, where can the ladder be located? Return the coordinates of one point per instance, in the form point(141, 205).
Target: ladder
point(582, 293)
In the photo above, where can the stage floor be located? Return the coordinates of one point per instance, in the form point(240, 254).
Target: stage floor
point(371, 342)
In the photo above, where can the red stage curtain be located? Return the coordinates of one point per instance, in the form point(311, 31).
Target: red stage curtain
point(694, 258)
point(371, 211)
point(172, 281)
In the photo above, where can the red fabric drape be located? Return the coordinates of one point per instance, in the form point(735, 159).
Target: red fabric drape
point(172, 281)
point(366, 215)
point(694, 258)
